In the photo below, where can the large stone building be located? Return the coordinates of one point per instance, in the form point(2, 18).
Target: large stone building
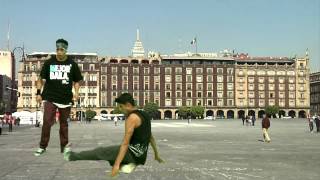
point(8, 86)
point(315, 93)
point(226, 84)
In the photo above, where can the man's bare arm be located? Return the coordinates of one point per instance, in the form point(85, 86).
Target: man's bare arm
point(76, 87)
point(40, 82)
point(131, 123)
point(155, 149)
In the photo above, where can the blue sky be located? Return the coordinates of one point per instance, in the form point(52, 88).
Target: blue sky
point(257, 27)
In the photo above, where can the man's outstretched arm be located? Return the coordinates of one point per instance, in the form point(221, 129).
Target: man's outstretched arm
point(129, 129)
point(155, 150)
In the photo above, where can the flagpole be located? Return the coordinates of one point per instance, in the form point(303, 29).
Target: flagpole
point(196, 45)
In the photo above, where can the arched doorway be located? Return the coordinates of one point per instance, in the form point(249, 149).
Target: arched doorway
point(282, 113)
point(134, 61)
point(292, 113)
point(241, 114)
point(261, 113)
point(157, 115)
point(209, 113)
point(104, 112)
point(230, 114)
point(167, 114)
point(251, 113)
point(177, 114)
point(302, 114)
point(220, 114)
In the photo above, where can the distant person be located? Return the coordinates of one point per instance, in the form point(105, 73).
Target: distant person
point(1, 125)
point(253, 120)
point(18, 121)
point(310, 122)
point(243, 120)
point(115, 119)
point(317, 120)
point(265, 127)
point(10, 122)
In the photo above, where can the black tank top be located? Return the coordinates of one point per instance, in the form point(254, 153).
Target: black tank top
point(140, 139)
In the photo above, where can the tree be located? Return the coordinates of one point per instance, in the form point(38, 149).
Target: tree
point(184, 112)
point(152, 109)
point(272, 110)
point(117, 110)
point(90, 114)
point(197, 111)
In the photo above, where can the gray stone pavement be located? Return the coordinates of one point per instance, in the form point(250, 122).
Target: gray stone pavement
point(203, 150)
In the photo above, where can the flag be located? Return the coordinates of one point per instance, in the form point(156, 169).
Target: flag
point(194, 41)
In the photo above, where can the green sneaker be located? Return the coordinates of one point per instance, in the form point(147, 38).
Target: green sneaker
point(39, 152)
point(67, 152)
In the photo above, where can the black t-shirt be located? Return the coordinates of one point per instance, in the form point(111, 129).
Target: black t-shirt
point(59, 76)
point(140, 139)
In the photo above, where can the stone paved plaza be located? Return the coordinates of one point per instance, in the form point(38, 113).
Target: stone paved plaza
point(202, 150)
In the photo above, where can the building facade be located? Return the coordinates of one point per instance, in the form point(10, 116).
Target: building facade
point(315, 93)
point(8, 96)
point(227, 85)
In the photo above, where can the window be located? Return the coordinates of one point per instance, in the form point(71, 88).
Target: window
point(199, 71)
point(209, 70)
point(157, 78)
point(219, 78)
point(189, 86)
point(178, 70)
point(168, 102)
point(124, 70)
point(156, 70)
point(220, 86)
point(168, 70)
point(189, 70)
point(168, 86)
point(189, 78)
point(199, 78)
point(199, 86)
point(146, 70)
point(178, 78)
point(219, 71)
point(168, 78)
point(271, 95)
point(178, 102)
point(209, 78)
point(136, 70)
point(114, 70)
point(178, 86)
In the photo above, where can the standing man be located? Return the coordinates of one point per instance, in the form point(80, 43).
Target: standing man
point(58, 75)
point(134, 147)
point(115, 119)
point(310, 120)
point(253, 120)
point(1, 124)
point(10, 120)
point(317, 120)
point(265, 127)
